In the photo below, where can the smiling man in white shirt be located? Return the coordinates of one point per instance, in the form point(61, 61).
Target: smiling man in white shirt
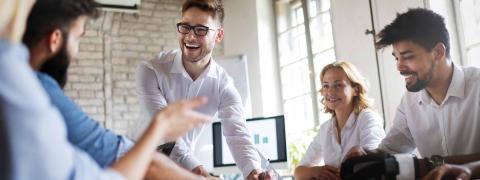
point(191, 72)
point(440, 114)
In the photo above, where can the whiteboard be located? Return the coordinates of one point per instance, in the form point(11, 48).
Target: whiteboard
point(236, 67)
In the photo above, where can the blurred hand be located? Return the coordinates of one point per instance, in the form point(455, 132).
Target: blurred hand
point(449, 171)
point(327, 173)
point(261, 175)
point(212, 178)
point(354, 152)
point(13, 18)
point(178, 118)
point(200, 171)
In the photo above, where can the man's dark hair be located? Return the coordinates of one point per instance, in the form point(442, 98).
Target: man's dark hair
point(421, 26)
point(47, 16)
point(214, 7)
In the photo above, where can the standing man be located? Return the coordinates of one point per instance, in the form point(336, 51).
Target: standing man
point(440, 114)
point(191, 72)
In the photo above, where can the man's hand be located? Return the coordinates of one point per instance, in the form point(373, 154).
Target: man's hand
point(178, 118)
point(200, 171)
point(257, 174)
point(164, 168)
point(449, 171)
point(355, 151)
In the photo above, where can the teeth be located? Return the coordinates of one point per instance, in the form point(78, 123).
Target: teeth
point(192, 45)
point(332, 99)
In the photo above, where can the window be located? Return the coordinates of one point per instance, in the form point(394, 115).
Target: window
point(469, 28)
point(305, 46)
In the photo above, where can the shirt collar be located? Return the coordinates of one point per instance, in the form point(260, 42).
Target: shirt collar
point(456, 87)
point(350, 122)
point(178, 67)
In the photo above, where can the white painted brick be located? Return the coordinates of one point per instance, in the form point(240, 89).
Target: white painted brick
point(119, 100)
point(92, 70)
point(124, 54)
point(120, 108)
point(89, 86)
point(132, 100)
point(119, 61)
point(124, 84)
point(90, 109)
point(120, 77)
point(89, 102)
point(72, 93)
point(86, 94)
point(98, 117)
point(100, 94)
point(147, 5)
point(90, 33)
point(125, 39)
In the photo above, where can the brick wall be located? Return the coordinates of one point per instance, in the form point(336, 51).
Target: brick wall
point(102, 78)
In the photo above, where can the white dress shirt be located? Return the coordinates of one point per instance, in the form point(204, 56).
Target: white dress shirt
point(449, 128)
point(164, 80)
point(364, 130)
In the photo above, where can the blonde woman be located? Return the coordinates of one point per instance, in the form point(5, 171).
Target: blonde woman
point(353, 123)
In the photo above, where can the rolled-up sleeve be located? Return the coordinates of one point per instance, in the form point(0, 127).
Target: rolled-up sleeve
point(124, 146)
point(235, 131)
point(182, 154)
point(398, 139)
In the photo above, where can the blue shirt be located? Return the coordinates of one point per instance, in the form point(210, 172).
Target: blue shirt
point(84, 132)
point(36, 131)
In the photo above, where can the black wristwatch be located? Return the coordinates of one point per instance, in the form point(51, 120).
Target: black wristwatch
point(433, 162)
point(437, 160)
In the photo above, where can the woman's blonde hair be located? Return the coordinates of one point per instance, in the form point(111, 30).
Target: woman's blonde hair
point(357, 82)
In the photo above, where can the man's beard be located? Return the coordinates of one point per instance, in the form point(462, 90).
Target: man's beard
point(57, 66)
point(203, 53)
point(420, 83)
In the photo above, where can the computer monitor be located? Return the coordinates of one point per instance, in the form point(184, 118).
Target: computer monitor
point(268, 136)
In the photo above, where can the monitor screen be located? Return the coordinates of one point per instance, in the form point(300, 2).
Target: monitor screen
point(268, 136)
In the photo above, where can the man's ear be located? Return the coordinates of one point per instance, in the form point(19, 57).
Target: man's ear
point(220, 35)
point(54, 41)
point(439, 51)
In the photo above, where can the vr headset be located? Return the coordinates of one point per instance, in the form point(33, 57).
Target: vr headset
point(370, 167)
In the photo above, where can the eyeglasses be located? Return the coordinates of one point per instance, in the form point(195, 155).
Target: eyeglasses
point(199, 30)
